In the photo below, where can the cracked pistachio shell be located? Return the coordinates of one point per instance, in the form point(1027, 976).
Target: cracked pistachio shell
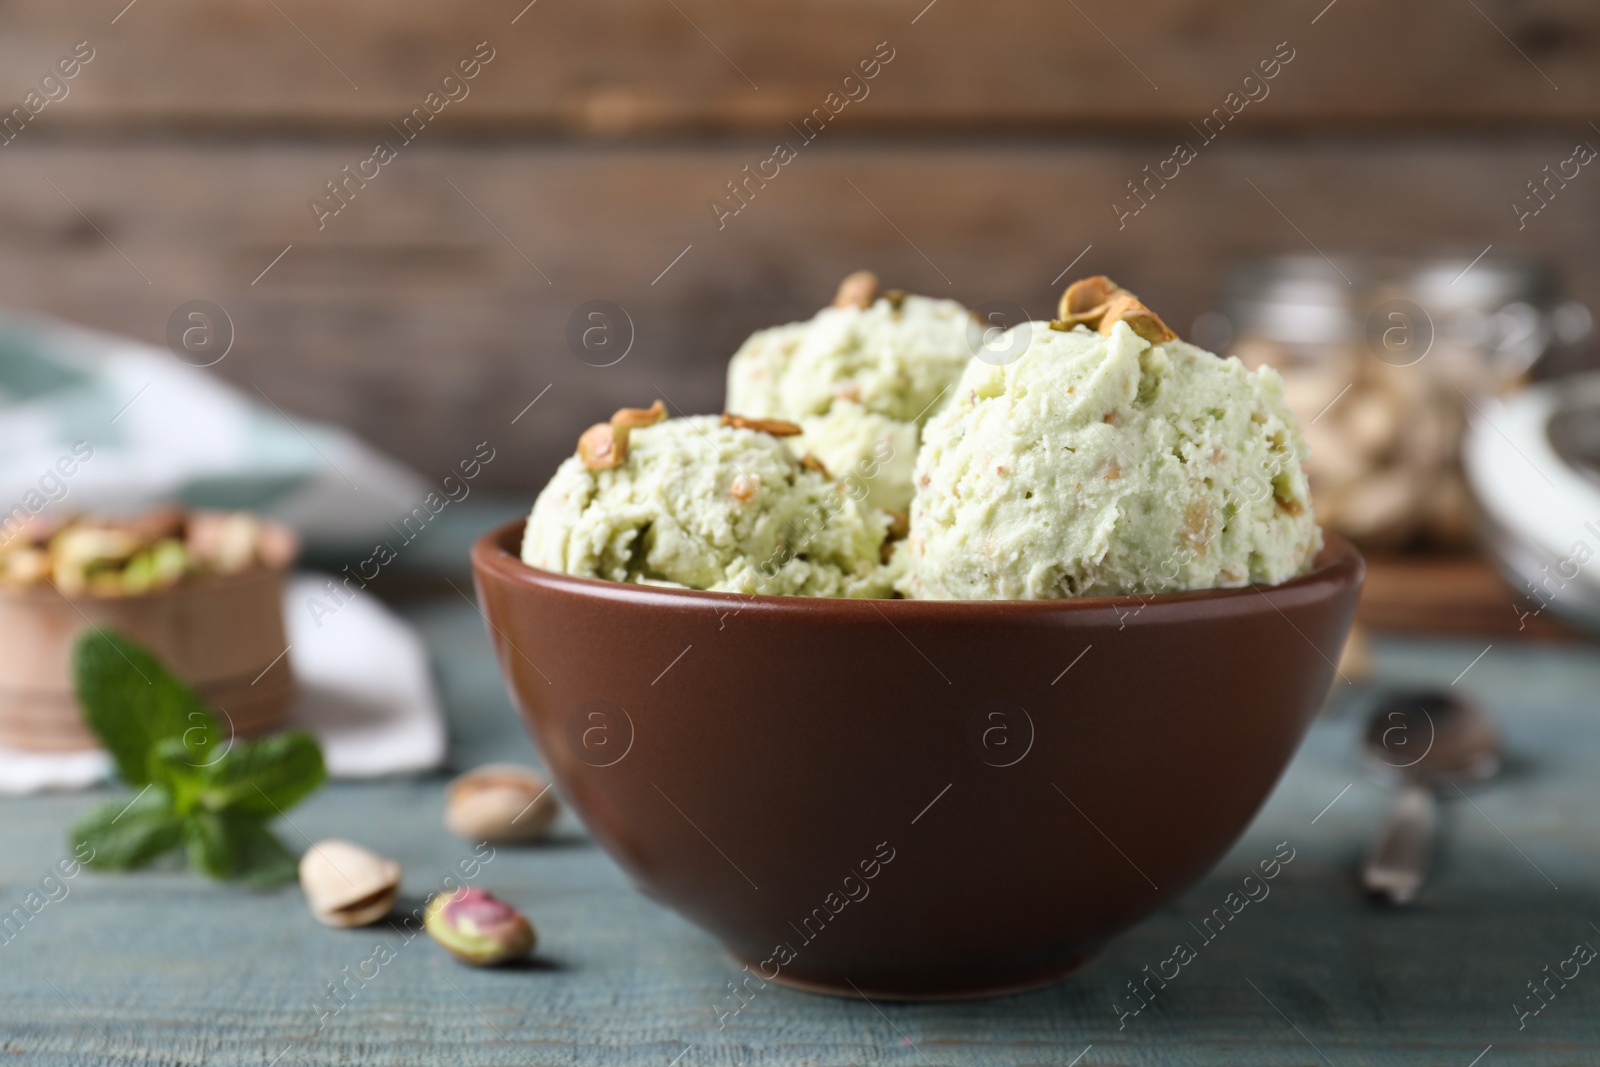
point(347, 885)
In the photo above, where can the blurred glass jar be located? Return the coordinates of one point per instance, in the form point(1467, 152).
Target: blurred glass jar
point(1382, 359)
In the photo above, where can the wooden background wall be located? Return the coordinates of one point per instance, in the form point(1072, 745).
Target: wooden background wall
point(432, 309)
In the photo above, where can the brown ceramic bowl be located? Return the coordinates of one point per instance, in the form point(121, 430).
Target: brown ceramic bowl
point(914, 799)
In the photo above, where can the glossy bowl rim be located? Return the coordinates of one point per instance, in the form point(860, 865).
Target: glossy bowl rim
point(1338, 562)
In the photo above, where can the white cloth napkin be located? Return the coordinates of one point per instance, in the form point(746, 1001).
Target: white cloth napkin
point(364, 689)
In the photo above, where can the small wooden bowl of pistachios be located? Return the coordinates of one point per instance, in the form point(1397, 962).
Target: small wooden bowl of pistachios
point(203, 590)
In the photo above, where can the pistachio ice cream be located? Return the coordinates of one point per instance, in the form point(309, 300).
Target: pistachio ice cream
point(706, 503)
point(860, 379)
point(1106, 462)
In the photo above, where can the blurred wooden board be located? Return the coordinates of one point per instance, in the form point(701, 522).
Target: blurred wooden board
point(428, 326)
point(627, 66)
point(1450, 595)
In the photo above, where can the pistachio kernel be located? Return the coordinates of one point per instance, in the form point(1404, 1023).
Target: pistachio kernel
point(857, 290)
point(478, 928)
point(605, 444)
point(599, 447)
point(638, 418)
point(776, 427)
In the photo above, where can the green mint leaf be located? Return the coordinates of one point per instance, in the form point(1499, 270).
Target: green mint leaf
point(131, 702)
point(214, 801)
point(260, 860)
point(209, 844)
point(266, 777)
point(123, 834)
point(173, 768)
point(237, 846)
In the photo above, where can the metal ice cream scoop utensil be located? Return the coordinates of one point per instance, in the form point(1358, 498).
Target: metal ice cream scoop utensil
point(1428, 740)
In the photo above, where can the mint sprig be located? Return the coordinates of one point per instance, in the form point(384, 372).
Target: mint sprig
point(209, 795)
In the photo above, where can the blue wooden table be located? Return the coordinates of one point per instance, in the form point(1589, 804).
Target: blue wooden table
point(162, 968)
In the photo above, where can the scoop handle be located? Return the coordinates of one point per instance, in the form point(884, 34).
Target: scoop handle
point(1398, 863)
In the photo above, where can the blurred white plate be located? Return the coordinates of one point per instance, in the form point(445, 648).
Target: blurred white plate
point(1542, 509)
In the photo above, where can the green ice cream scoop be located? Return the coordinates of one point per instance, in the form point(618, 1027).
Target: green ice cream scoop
point(859, 378)
point(700, 504)
point(1101, 464)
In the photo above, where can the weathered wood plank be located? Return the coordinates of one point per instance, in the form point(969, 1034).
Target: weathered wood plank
point(418, 321)
point(622, 66)
point(161, 968)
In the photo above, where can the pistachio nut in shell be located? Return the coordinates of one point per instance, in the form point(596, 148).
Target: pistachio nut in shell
point(347, 885)
point(1125, 307)
point(1085, 300)
point(501, 803)
point(477, 928)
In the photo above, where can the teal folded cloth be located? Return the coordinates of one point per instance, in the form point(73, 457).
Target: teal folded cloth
point(91, 422)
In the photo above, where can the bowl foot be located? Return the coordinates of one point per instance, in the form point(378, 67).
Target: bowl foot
point(953, 990)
